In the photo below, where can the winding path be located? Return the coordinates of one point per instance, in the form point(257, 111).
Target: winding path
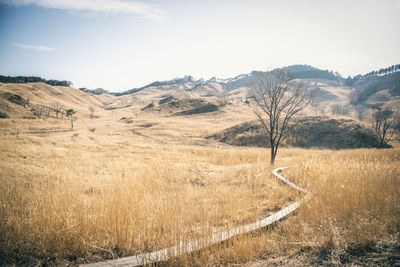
point(194, 245)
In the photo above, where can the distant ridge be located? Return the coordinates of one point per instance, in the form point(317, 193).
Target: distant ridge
point(32, 79)
point(97, 91)
point(156, 83)
point(241, 80)
point(363, 86)
point(309, 72)
point(381, 72)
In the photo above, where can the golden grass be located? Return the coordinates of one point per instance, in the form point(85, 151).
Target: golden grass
point(356, 198)
point(87, 195)
point(354, 207)
point(66, 199)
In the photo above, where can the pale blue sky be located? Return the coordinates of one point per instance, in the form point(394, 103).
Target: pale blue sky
point(122, 44)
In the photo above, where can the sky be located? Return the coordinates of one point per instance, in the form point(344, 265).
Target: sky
point(122, 44)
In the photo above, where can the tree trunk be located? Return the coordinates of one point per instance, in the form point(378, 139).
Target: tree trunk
point(273, 154)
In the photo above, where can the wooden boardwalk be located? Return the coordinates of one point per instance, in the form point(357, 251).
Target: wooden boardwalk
point(194, 245)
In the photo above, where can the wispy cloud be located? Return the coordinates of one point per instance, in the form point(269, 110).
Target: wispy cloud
point(35, 47)
point(98, 6)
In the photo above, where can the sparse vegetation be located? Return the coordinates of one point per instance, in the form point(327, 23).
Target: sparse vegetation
point(38, 111)
point(343, 110)
point(361, 112)
point(316, 106)
point(58, 108)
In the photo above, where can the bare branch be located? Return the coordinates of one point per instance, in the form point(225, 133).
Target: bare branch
point(382, 124)
point(275, 101)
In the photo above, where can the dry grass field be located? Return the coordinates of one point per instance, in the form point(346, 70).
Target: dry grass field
point(123, 183)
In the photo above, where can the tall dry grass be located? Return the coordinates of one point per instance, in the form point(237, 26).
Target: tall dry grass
point(86, 202)
point(92, 195)
point(355, 202)
point(353, 210)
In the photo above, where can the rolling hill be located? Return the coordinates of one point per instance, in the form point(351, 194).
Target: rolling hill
point(308, 132)
point(222, 103)
point(328, 88)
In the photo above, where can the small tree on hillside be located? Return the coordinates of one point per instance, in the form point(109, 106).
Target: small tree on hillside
point(57, 107)
point(91, 109)
point(396, 126)
point(316, 106)
point(275, 101)
point(70, 113)
point(382, 123)
point(361, 112)
point(223, 101)
point(47, 112)
point(343, 110)
point(38, 111)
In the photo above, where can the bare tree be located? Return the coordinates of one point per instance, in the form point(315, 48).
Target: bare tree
point(382, 123)
point(341, 110)
point(38, 111)
point(26, 103)
point(315, 104)
point(275, 101)
point(396, 126)
point(91, 109)
point(223, 101)
point(47, 112)
point(70, 113)
point(57, 107)
point(361, 112)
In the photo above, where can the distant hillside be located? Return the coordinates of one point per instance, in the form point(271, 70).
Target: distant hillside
point(329, 90)
point(32, 79)
point(207, 108)
point(242, 80)
point(367, 86)
point(182, 106)
point(177, 81)
point(383, 71)
point(32, 100)
point(309, 72)
point(306, 132)
point(219, 87)
point(97, 91)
